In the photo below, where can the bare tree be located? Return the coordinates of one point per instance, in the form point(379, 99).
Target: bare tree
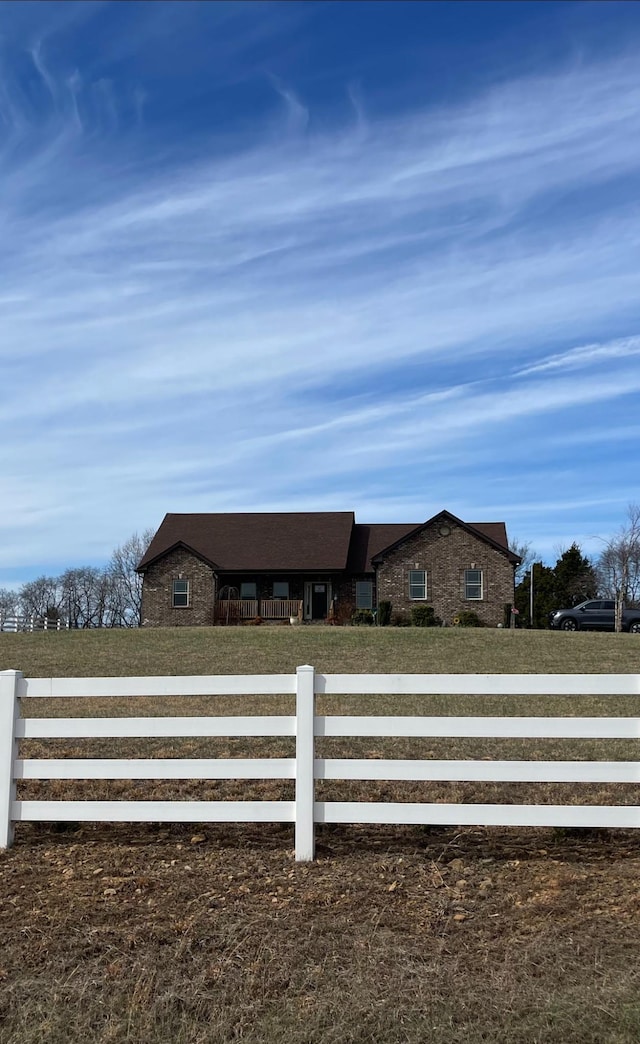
point(127, 593)
point(619, 564)
point(528, 556)
point(87, 597)
point(8, 603)
point(42, 598)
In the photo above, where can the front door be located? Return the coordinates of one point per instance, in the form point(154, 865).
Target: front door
point(316, 600)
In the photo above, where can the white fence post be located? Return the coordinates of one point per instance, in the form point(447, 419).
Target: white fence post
point(305, 754)
point(9, 713)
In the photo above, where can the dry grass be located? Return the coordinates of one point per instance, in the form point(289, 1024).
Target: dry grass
point(281, 649)
point(141, 934)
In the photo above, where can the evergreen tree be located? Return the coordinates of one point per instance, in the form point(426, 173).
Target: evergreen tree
point(575, 579)
point(571, 580)
point(544, 596)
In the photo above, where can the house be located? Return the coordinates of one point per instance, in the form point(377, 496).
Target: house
point(202, 569)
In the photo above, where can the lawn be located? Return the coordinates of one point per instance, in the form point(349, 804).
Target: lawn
point(146, 934)
point(341, 649)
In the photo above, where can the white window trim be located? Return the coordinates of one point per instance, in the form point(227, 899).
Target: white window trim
point(474, 598)
point(369, 594)
point(422, 597)
point(187, 604)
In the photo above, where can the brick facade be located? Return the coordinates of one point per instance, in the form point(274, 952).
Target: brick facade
point(345, 590)
point(157, 591)
point(445, 558)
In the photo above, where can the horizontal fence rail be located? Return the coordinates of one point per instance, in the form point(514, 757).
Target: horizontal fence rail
point(13, 623)
point(17, 623)
point(306, 767)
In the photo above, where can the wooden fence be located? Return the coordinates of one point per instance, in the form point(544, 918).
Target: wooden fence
point(305, 768)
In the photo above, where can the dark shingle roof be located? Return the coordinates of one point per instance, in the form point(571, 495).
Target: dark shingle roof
point(313, 540)
point(290, 541)
point(496, 531)
point(370, 540)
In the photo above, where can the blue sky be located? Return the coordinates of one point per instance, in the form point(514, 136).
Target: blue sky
point(263, 256)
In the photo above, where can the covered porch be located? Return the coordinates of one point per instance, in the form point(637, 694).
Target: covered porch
point(294, 599)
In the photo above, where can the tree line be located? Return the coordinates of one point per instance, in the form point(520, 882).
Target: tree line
point(86, 597)
point(614, 574)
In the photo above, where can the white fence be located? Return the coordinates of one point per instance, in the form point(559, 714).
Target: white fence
point(13, 623)
point(305, 768)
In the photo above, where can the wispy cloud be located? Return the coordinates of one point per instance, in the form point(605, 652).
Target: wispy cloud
point(586, 355)
point(280, 316)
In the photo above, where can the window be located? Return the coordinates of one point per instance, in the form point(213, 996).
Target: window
point(417, 584)
point(473, 583)
point(249, 589)
point(364, 594)
point(180, 594)
point(280, 588)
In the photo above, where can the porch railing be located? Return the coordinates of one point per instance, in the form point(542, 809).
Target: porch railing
point(237, 608)
point(266, 608)
point(280, 608)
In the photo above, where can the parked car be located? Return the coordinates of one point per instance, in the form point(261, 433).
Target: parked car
point(598, 614)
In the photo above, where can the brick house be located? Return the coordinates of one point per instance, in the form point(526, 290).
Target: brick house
point(202, 569)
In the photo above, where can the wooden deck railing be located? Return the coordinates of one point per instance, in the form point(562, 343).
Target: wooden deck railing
point(280, 608)
point(237, 608)
point(266, 608)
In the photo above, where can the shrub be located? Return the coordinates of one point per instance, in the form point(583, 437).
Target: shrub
point(343, 612)
point(468, 618)
point(384, 614)
point(400, 620)
point(424, 616)
point(362, 617)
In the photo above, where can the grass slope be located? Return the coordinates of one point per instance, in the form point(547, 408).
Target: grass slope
point(145, 934)
point(260, 650)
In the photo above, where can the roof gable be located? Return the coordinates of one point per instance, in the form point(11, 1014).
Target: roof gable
point(493, 533)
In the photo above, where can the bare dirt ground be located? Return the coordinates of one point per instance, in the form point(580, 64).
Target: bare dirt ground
point(118, 933)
